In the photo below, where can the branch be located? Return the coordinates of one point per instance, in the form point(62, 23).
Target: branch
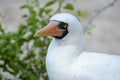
point(97, 12)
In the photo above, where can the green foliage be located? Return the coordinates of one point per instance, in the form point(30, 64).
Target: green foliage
point(22, 54)
point(50, 3)
point(69, 6)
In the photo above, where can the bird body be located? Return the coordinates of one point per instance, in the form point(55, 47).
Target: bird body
point(66, 59)
point(63, 64)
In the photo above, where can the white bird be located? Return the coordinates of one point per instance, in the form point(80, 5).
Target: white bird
point(66, 59)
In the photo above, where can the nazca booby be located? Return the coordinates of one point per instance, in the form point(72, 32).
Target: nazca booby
point(66, 59)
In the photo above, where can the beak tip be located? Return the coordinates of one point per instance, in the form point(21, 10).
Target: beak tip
point(35, 35)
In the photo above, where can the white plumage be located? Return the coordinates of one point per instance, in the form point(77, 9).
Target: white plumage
point(66, 59)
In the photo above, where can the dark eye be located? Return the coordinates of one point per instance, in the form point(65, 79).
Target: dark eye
point(63, 25)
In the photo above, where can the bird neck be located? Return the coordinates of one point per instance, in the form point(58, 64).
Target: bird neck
point(66, 50)
point(61, 56)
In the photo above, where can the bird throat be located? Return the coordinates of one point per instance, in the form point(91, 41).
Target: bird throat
point(63, 35)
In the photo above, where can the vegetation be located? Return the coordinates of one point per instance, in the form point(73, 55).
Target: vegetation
point(21, 54)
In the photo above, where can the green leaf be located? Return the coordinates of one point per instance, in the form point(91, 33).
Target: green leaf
point(32, 20)
point(1, 29)
point(29, 7)
point(37, 42)
point(23, 6)
point(25, 16)
point(47, 11)
point(69, 6)
point(41, 11)
point(79, 13)
point(49, 3)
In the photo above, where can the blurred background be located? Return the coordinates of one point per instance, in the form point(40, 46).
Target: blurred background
point(24, 62)
point(105, 37)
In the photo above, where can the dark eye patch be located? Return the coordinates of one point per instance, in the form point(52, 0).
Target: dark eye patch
point(61, 25)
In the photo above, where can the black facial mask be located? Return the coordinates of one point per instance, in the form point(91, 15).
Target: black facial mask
point(63, 26)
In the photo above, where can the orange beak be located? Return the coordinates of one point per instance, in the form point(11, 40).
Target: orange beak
point(50, 30)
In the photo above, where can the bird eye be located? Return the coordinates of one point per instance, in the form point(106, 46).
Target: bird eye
point(65, 25)
point(62, 25)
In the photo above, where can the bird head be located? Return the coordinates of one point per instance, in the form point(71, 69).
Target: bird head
point(62, 26)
